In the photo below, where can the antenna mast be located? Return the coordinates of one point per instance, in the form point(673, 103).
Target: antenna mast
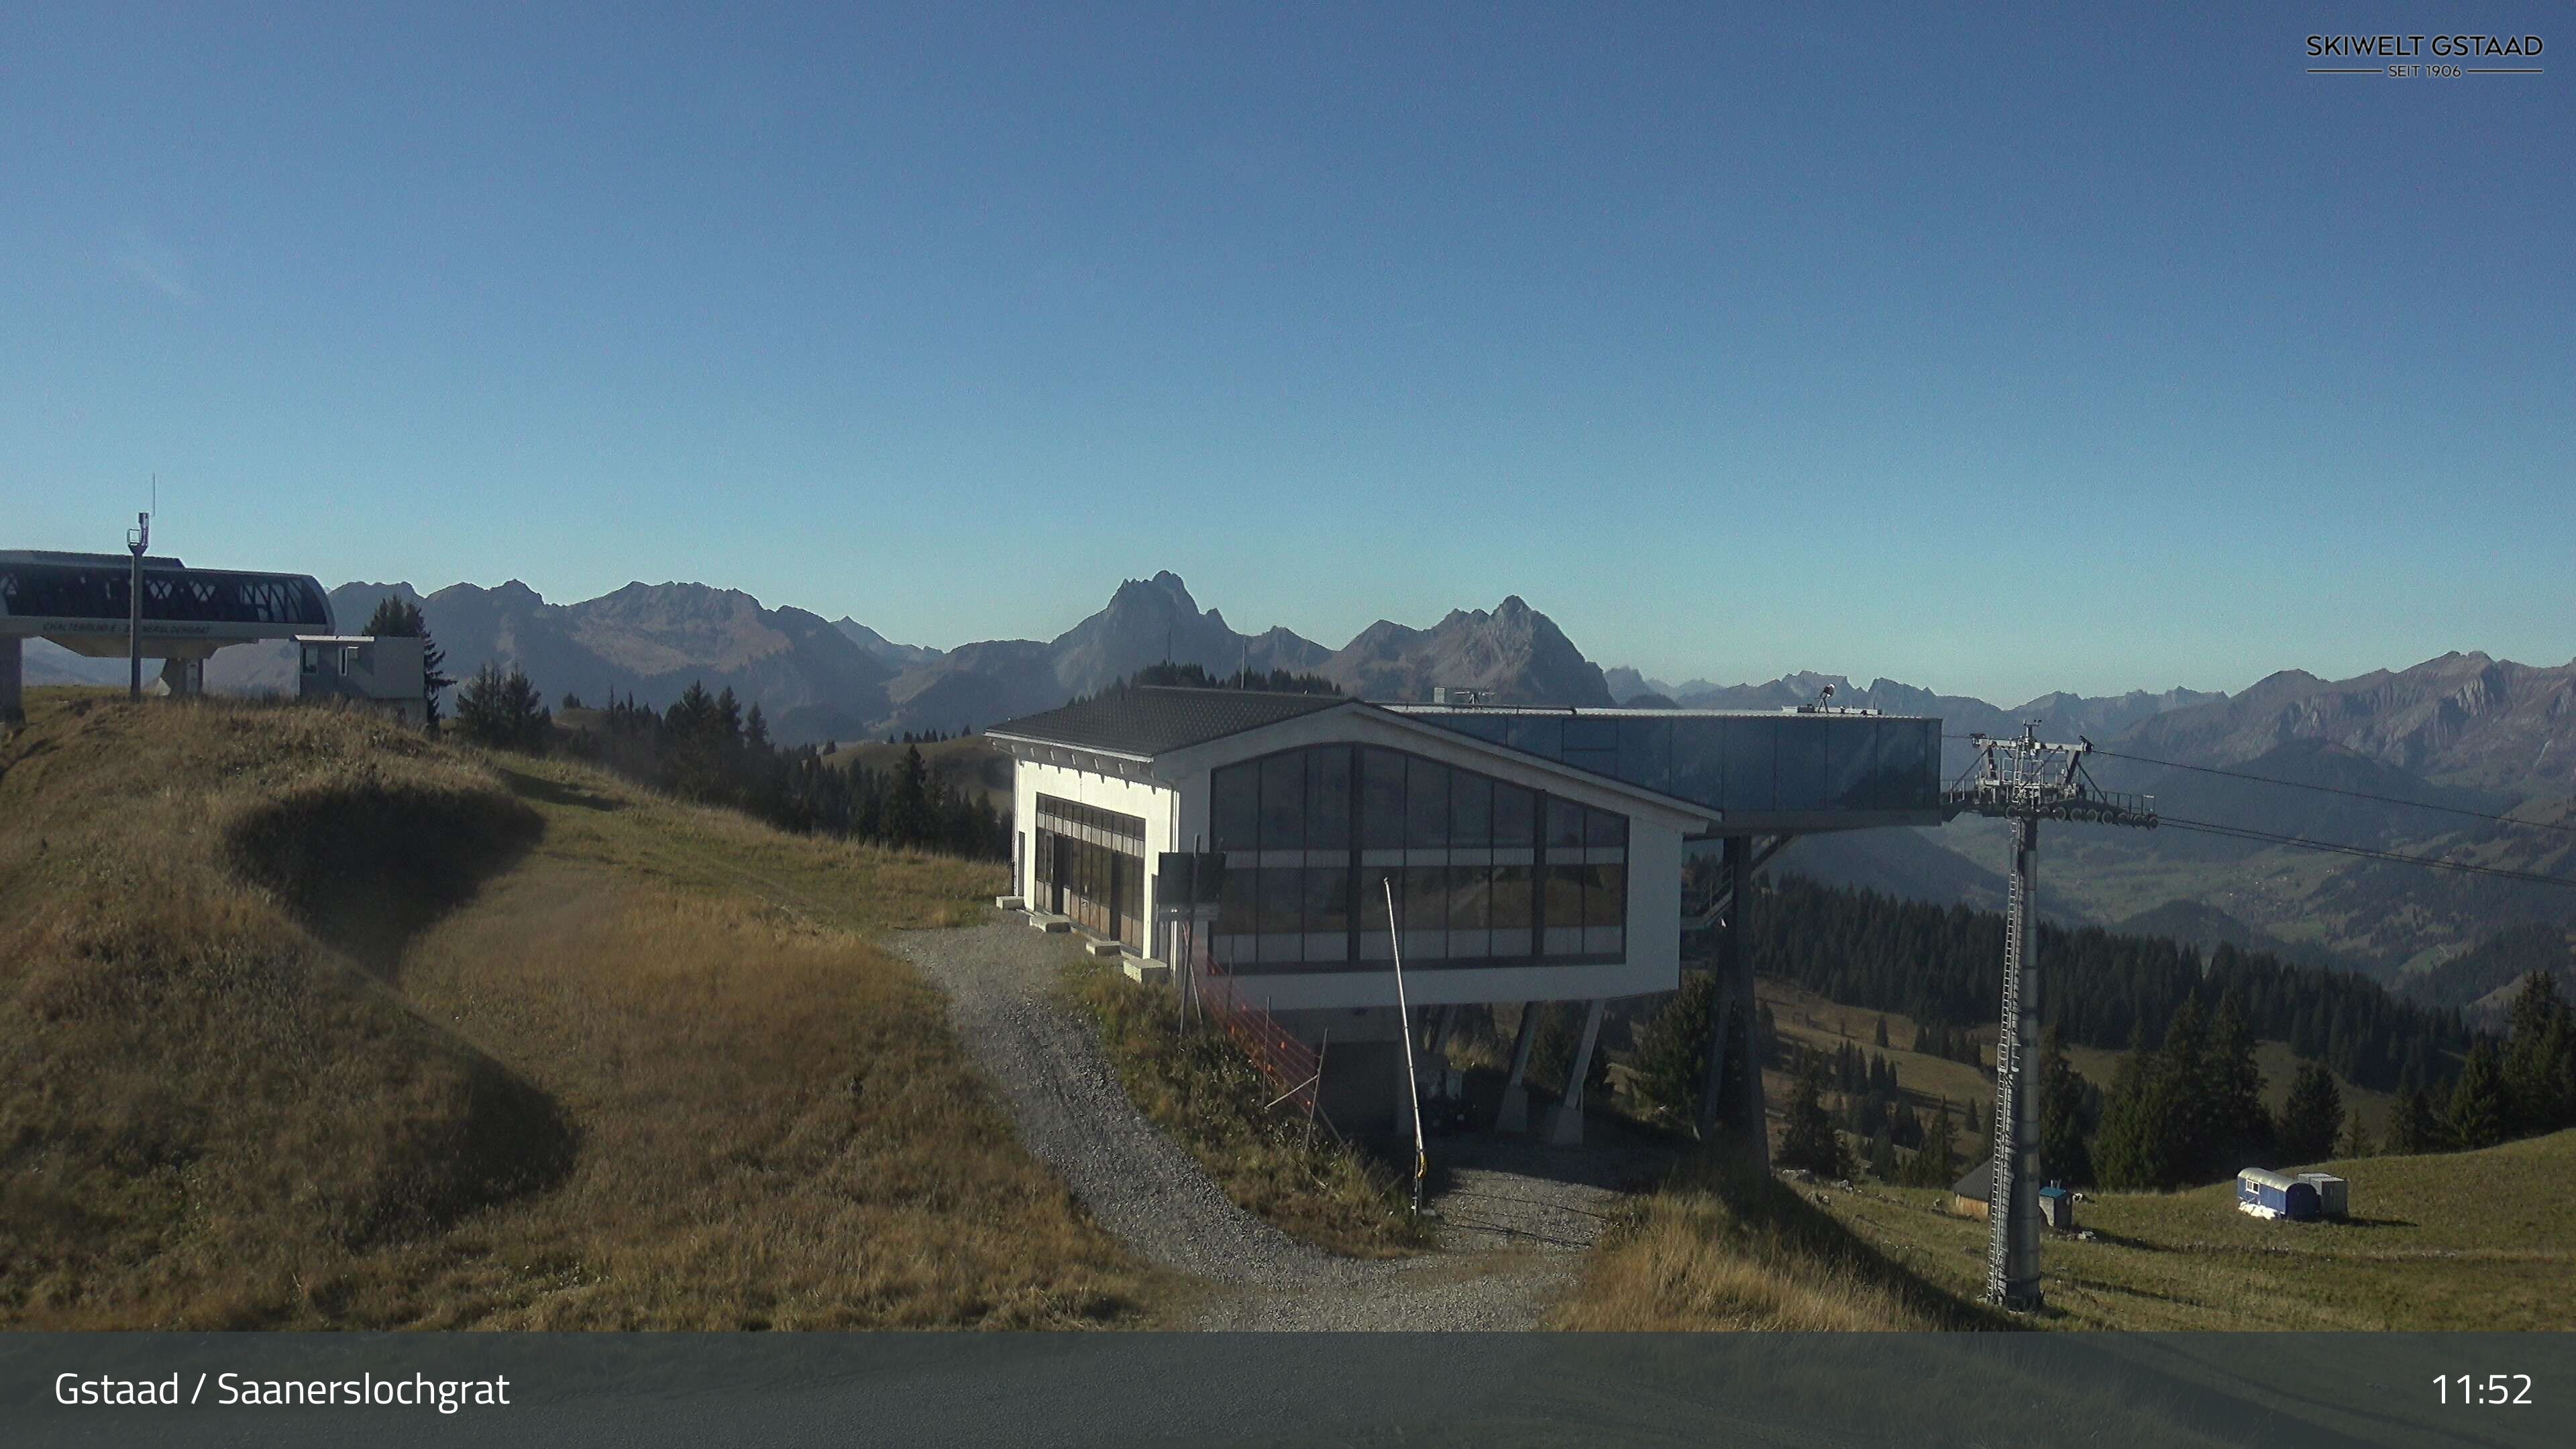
point(2026, 781)
point(137, 539)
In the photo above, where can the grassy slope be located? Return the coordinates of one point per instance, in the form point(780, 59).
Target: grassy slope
point(2480, 1240)
point(649, 1073)
point(1207, 1094)
point(1711, 1250)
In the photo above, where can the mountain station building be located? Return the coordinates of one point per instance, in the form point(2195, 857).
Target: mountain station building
point(1531, 854)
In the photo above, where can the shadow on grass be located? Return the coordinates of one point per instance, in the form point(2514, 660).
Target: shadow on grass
point(367, 866)
point(1765, 1205)
point(553, 792)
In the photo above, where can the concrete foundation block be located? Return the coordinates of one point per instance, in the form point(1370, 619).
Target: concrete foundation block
point(1010, 903)
point(1103, 949)
point(1052, 925)
point(1515, 1114)
point(1152, 973)
point(1565, 1127)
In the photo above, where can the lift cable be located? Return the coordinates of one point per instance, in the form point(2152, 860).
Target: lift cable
point(2239, 832)
point(2324, 789)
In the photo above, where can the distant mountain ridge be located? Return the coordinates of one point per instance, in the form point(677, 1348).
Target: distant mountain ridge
point(2462, 719)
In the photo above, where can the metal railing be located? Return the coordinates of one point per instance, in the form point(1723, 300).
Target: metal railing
point(1294, 1068)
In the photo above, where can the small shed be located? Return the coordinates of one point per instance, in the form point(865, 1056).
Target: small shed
point(1968, 1196)
point(2268, 1194)
point(386, 672)
point(2057, 1207)
point(2333, 1197)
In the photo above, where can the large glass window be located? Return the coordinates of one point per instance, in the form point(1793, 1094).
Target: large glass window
point(1381, 800)
point(1426, 804)
point(1283, 801)
point(1328, 798)
point(1481, 870)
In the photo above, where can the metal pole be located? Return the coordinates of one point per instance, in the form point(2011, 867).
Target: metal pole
point(135, 543)
point(1404, 1018)
point(2012, 1196)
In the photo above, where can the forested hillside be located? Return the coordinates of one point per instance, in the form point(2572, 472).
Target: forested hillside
point(1945, 965)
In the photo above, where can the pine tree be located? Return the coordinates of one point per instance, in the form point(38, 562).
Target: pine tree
point(908, 818)
point(2540, 1057)
point(398, 618)
point(1671, 1057)
point(1809, 1140)
point(2416, 1125)
point(503, 710)
point(1882, 1033)
point(2062, 1153)
point(2312, 1116)
point(1936, 1164)
point(2356, 1138)
point(2230, 1088)
point(1882, 1156)
point(2480, 1115)
point(2133, 1150)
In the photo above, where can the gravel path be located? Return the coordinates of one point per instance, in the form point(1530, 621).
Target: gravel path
point(1516, 1217)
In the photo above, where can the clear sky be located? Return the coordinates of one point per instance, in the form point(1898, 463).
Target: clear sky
point(1998, 352)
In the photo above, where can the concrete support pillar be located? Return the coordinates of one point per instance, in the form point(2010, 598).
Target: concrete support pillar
point(1734, 1029)
point(1515, 1114)
point(13, 655)
point(1444, 1026)
point(1753, 1113)
point(1568, 1130)
point(184, 678)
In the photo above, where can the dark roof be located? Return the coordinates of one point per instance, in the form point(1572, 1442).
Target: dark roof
point(1975, 1182)
point(1157, 719)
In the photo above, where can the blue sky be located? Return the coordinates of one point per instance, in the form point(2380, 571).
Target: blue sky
point(2024, 351)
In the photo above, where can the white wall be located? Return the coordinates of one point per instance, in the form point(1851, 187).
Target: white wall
point(1148, 801)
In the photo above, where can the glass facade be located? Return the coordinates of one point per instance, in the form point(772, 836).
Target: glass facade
point(1739, 763)
point(1483, 872)
point(1091, 867)
point(72, 590)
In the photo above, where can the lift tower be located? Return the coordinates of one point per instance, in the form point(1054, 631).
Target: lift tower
point(2026, 781)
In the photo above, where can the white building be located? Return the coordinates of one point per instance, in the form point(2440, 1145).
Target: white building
point(1533, 855)
point(384, 672)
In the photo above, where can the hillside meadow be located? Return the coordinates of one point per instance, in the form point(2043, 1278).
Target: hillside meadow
point(316, 1023)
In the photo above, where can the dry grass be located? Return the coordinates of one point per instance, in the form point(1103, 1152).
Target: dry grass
point(1201, 1089)
point(1715, 1249)
point(646, 1070)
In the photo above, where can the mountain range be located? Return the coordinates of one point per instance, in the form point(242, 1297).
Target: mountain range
point(2463, 732)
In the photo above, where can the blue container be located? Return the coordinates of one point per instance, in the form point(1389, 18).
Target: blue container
point(2276, 1194)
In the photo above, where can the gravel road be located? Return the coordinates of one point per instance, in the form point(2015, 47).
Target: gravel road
point(1516, 1217)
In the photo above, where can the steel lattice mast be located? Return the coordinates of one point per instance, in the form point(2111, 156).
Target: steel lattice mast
point(2027, 781)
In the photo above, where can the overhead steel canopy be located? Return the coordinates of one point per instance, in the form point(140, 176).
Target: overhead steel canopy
point(81, 601)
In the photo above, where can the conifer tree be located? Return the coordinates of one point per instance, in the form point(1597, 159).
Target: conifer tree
point(2416, 1125)
point(1672, 1052)
point(1882, 1156)
point(2231, 1093)
point(2313, 1115)
point(2479, 1116)
point(503, 710)
point(2540, 1057)
point(1809, 1140)
point(2132, 1150)
point(2062, 1154)
point(1936, 1164)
